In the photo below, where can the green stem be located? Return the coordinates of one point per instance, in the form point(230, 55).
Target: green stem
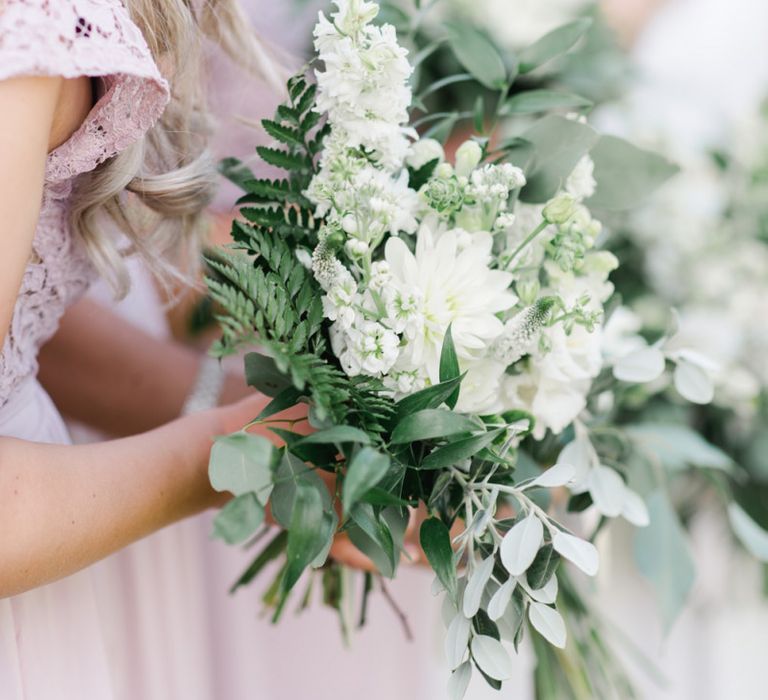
point(527, 241)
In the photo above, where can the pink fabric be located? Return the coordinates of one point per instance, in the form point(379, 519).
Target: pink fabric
point(69, 640)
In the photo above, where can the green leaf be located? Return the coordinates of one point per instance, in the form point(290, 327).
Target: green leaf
point(290, 474)
point(533, 101)
point(242, 463)
point(625, 174)
point(376, 531)
point(236, 172)
point(286, 399)
point(449, 367)
point(543, 567)
point(284, 134)
point(431, 397)
point(262, 373)
point(239, 519)
point(366, 469)
point(478, 55)
point(431, 423)
point(455, 452)
point(435, 540)
point(559, 144)
point(378, 496)
point(752, 536)
point(677, 447)
point(553, 44)
point(663, 556)
point(283, 159)
point(273, 550)
point(336, 435)
point(306, 534)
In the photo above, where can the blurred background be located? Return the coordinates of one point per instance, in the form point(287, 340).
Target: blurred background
point(688, 78)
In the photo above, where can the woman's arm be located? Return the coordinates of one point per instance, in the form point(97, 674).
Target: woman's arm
point(105, 372)
point(64, 507)
point(27, 109)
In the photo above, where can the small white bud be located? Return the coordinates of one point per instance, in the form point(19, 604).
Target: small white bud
point(468, 157)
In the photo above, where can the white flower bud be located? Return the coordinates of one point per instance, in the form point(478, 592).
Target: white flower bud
point(559, 209)
point(444, 171)
point(356, 248)
point(468, 157)
point(425, 151)
point(349, 224)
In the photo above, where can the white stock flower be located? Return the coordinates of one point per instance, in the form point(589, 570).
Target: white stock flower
point(365, 85)
point(339, 303)
point(457, 289)
point(425, 151)
point(370, 349)
point(555, 384)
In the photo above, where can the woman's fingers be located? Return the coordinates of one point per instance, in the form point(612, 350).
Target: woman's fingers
point(344, 552)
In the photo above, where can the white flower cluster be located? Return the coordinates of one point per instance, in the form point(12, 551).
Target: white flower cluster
point(364, 88)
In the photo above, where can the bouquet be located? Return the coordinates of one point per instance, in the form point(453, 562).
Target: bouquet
point(443, 319)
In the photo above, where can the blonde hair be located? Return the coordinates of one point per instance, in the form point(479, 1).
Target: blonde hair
point(157, 190)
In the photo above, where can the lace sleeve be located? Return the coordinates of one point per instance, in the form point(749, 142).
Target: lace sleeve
point(95, 38)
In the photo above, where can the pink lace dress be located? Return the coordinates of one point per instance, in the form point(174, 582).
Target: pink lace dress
point(79, 638)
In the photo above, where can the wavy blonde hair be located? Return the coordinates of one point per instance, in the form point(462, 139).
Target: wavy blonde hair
point(157, 189)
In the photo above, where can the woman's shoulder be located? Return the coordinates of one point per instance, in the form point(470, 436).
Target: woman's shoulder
point(71, 38)
point(96, 38)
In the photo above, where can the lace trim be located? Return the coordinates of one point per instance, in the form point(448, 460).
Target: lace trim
point(96, 38)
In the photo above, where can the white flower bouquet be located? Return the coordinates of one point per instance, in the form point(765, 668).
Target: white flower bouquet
point(443, 320)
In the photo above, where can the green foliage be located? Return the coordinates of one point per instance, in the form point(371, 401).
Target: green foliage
point(478, 55)
point(239, 519)
point(558, 145)
point(553, 44)
point(533, 101)
point(449, 367)
point(626, 175)
point(664, 558)
point(436, 543)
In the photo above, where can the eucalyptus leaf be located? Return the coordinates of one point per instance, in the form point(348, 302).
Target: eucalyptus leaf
point(677, 447)
point(663, 556)
point(533, 101)
point(752, 536)
point(553, 44)
point(559, 144)
point(625, 174)
point(241, 463)
point(239, 519)
point(478, 55)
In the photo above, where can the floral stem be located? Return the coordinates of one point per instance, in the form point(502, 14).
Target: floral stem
point(527, 241)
